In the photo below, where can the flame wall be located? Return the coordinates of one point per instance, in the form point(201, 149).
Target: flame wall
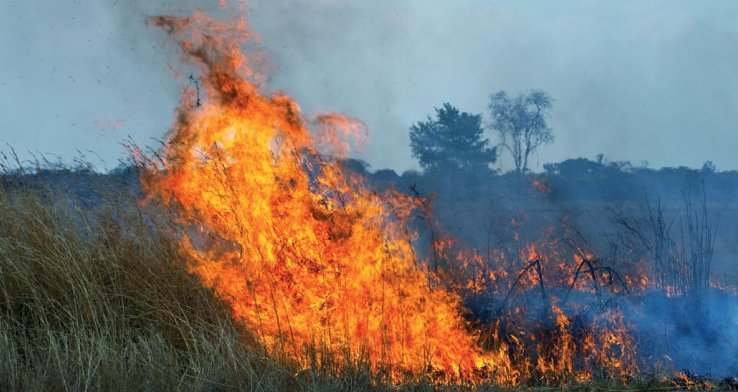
point(305, 256)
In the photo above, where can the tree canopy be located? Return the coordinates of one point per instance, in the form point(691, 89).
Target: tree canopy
point(453, 140)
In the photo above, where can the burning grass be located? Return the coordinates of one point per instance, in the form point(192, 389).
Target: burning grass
point(95, 296)
point(306, 255)
point(255, 262)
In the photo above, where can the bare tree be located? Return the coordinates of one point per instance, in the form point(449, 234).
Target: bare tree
point(521, 123)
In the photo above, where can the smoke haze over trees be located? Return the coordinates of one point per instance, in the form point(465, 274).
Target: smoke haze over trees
point(622, 87)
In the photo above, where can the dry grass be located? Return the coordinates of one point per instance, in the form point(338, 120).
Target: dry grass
point(97, 298)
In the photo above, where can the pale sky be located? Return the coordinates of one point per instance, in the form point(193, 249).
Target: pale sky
point(652, 81)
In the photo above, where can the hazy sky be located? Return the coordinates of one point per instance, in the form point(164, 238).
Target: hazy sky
point(652, 81)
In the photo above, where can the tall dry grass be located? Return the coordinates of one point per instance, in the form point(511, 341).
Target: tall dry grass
point(95, 296)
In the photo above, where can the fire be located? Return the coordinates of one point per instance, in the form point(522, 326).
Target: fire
point(305, 255)
point(541, 185)
point(318, 266)
point(722, 286)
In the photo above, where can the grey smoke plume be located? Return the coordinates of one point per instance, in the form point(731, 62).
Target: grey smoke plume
point(636, 81)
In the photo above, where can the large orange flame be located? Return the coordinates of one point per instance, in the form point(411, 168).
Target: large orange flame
point(316, 264)
point(305, 255)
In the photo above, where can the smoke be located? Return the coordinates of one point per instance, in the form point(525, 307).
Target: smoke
point(703, 346)
point(622, 86)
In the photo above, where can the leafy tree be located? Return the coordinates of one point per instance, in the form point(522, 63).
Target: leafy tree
point(453, 140)
point(521, 123)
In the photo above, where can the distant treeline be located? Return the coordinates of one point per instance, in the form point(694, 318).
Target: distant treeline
point(572, 180)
